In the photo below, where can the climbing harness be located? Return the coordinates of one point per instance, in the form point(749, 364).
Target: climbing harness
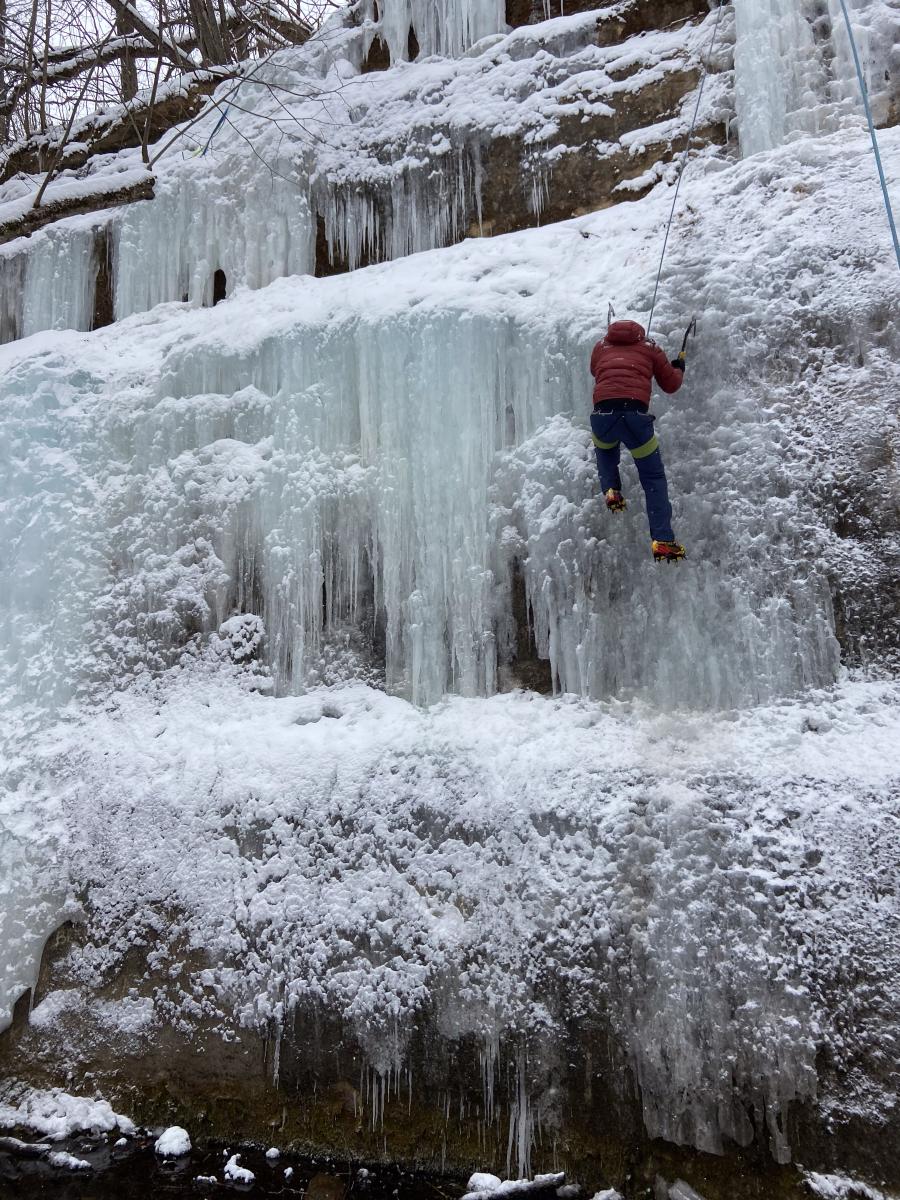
point(684, 154)
point(865, 99)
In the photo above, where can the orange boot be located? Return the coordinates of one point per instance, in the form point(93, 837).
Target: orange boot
point(615, 501)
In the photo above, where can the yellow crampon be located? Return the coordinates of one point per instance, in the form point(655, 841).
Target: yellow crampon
point(668, 551)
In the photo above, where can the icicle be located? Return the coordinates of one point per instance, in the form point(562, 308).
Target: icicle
point(521, 1123)
point(488, 1055)
point(445, 27)
point(276, 1061)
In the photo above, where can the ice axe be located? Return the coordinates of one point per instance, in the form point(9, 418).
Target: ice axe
point(690, 332)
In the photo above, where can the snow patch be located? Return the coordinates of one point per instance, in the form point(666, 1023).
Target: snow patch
point(482, 1181)
point(56, 1114)
point(482, 1184)
point(841, 1187)
point(236, 1174)
point(67, 1162)
point(174, 1142)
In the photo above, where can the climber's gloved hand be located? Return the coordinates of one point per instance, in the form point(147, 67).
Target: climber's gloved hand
point(678, 363)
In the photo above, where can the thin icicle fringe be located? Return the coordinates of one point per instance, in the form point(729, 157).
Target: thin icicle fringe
point(417, 211)
point(444, 27)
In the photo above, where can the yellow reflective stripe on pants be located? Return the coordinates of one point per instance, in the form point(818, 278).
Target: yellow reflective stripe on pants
point(647, 448)
point(604, 445)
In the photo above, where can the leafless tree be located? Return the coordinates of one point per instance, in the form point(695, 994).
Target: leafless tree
point(62, 59)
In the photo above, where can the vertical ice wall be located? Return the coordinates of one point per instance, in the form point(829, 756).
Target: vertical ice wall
point(347, 474)
point(794, 71)
point(32, 894)
point(315, 514)
point(59, 281)
point(251, 223)
point(48, 281)
point(12, 286)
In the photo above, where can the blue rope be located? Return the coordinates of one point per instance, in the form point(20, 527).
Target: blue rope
point(684, 159)
point(221, 121)
point(865, 97)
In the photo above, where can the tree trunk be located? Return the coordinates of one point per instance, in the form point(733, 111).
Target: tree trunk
point(209, 36)
point(48, 16)
point(4, 119)
point(29, 59)
point(128, 69)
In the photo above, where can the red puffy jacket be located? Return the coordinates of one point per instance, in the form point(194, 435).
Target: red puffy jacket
point(625, 364)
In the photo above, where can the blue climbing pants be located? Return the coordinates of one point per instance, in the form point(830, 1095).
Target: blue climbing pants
point(635, 429)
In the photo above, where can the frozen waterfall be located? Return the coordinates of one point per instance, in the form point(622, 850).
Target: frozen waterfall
point(252, 224)
point(370, 463)
point(794, 71)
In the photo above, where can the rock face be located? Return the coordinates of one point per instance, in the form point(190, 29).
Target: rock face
point(313, 1088)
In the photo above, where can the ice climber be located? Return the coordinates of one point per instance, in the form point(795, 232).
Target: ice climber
point(624, 365)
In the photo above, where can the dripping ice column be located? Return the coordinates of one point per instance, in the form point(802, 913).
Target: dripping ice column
point(794, 70)
point(777, 72)
point(447, 27)
point(60, 275)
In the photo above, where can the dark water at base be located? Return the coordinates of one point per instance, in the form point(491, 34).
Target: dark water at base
point(135, 1172)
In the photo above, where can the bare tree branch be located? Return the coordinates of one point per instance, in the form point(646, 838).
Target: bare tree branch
point(170, 48)
point(62, 60)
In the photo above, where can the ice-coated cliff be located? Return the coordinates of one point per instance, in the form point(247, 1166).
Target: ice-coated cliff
point(319, 162)
point(370, 456)
point(279, 568)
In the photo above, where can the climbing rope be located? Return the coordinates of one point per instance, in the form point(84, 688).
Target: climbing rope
point(865, 98)
point(683, 164)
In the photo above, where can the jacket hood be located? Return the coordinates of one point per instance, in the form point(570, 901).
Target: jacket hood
point(624, 333)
